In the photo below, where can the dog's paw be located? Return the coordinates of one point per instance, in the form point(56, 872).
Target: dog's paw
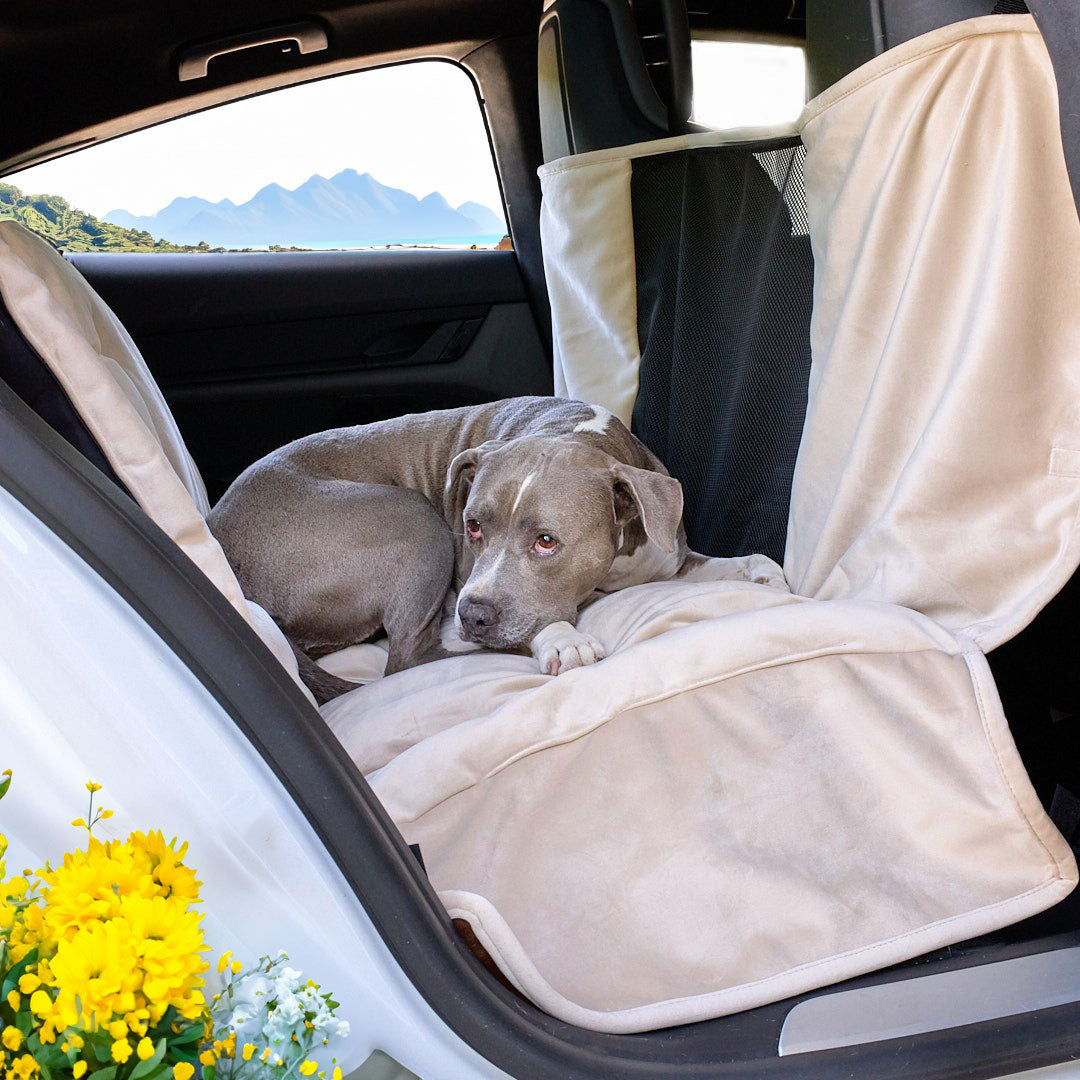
point(560, 647)
point(761, 570)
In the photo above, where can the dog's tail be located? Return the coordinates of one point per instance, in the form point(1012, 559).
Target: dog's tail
point(318, 680)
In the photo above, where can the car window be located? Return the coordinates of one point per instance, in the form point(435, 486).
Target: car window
point(389, 157)
point(747, 84)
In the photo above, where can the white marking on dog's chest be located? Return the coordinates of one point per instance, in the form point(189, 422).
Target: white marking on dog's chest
point(599, 422)
point(648, 563)
point(521, 491)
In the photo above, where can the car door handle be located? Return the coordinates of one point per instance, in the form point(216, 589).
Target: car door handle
point(195, 61)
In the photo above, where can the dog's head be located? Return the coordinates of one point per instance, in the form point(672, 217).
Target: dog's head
point(541, 521)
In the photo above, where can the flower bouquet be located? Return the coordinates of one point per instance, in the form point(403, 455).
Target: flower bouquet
point(101, 975)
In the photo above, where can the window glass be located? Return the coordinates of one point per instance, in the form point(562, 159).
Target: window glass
point(742, 84)
point(395, 156)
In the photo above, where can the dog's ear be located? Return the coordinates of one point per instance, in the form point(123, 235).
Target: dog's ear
point(654, 497)
point(463, 468)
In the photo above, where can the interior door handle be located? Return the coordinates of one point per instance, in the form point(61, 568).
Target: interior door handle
point(195, 61)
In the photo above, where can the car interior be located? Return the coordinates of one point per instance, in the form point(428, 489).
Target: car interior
point(245, 352)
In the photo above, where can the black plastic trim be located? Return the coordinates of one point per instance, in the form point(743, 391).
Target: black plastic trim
point(119, 542)
point(231, 289)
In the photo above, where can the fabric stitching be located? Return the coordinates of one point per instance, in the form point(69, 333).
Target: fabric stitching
point(976, 684)
point(800, 969)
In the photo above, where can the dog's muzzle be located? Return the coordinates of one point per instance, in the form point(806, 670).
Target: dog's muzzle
point(479, 620)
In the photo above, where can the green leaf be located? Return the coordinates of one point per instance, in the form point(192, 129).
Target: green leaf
point(151, 1063)
point(192, 1034)
point(49, 1054)
point(108, 1073)
point(5, 783)
point(159, 1072)
point(100, 1046)
point(11, 979)
point(24, 1021)
point(209, 1072)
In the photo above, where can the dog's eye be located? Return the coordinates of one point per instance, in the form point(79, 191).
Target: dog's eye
point(472, 527)
point(545, 543)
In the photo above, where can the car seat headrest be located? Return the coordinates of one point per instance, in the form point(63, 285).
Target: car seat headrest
point(841, 35)
point(611, 75)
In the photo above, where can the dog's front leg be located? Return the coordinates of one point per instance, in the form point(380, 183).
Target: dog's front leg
point(757, 568)
point(560, 647)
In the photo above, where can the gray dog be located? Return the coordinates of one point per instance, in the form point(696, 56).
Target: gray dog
point(521, 509)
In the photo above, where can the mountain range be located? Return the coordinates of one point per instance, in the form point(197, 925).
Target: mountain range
point(348, 210)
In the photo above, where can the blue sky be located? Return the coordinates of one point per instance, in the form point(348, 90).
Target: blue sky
point(415, 126)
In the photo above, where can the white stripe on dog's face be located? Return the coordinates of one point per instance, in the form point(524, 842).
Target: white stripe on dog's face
point(521, 491)
point(599, 422)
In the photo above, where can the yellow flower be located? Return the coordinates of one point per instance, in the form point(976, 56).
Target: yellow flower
point(79, 823)
point(236, 967)
point(12, 1039)
point(249, 1049)
point(182, 1070)
point(79, 1069)
point(97, 973)
point(89, 884)
point(40, 1003)
point(145, 1049)
point(136, 1021)
point(121, 1050)
point(23, 1068)
point(336, 1076)
point(207, 1057)
point(223, 962)
point(170, 941)
point(76, 1041)
point(22, 921)
point(28, 983)
point(308, 1067)
point(92, 787)
point(118, 1030)
point(165, 865)
point(14, 1000)
point(105, 815)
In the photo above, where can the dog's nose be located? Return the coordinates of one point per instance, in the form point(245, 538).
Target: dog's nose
point(477, 615)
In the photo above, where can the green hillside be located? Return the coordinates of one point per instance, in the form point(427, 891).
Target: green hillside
point(75, 230)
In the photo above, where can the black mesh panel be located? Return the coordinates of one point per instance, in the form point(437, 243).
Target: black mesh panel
point(725, 283)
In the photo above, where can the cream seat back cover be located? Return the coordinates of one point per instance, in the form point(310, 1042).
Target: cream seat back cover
point(759, 793)
point(106, 379)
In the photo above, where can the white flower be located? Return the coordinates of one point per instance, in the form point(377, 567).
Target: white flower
point(275, 1007)
point(253, 989)
point(288, 1011)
